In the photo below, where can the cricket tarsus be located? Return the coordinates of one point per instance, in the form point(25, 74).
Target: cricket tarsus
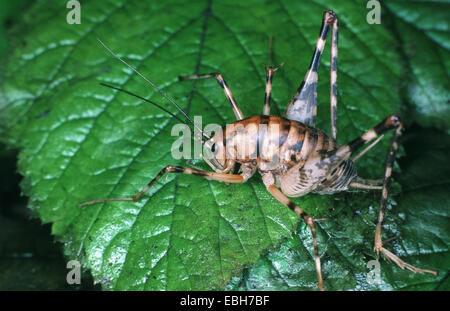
point(292, 156)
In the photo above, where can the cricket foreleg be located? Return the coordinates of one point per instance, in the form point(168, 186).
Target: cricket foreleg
point(308, 220)
point(384, 196)
point(228, 178)
point(237, 111)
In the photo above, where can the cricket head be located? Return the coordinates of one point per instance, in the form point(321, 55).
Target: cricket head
point(214, 153)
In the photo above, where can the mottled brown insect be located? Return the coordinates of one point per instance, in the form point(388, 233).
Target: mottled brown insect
point(292, 156)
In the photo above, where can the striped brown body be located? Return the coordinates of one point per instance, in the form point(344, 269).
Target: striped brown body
point(285, 148)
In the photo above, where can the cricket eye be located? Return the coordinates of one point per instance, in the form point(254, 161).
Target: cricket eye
point(213, 148)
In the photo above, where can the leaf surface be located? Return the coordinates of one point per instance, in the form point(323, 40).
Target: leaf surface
point(425, 43)
point(81, 141)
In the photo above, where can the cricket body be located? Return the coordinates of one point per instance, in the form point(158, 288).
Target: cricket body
point(295, 157)
point(292, 156)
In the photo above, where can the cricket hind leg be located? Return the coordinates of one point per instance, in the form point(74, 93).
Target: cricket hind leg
point(367, 184)
point(333, 78)
point(219, 78)
point(383, 202)
point(303, 105)
point(283, 199)
point(228, 178)
point(345, 151)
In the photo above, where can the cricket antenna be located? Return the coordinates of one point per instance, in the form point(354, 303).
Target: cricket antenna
point(146, 100)
point(153, 85)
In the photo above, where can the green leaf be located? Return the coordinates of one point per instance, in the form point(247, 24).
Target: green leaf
point(80, 141)
point(30, 260)
point(9, 10)
point(425, 42)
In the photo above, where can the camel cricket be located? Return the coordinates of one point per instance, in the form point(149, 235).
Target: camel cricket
point(292, 156)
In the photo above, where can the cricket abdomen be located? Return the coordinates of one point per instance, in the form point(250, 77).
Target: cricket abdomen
point(275, 143)
point(299, 158)
point(304, 142)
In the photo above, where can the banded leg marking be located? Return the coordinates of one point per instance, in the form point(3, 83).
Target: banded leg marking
point(269, 75)
point(228, 178)
point(345, 151)
point(303, 105)
point(383, 202)
point(237, 111)
point(277, 194)
point(333, 78)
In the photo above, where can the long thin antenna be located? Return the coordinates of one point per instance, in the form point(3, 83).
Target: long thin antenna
point(153, 85)
point(146, 100)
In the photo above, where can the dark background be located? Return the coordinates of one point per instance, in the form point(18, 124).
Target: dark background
point(29, 258)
